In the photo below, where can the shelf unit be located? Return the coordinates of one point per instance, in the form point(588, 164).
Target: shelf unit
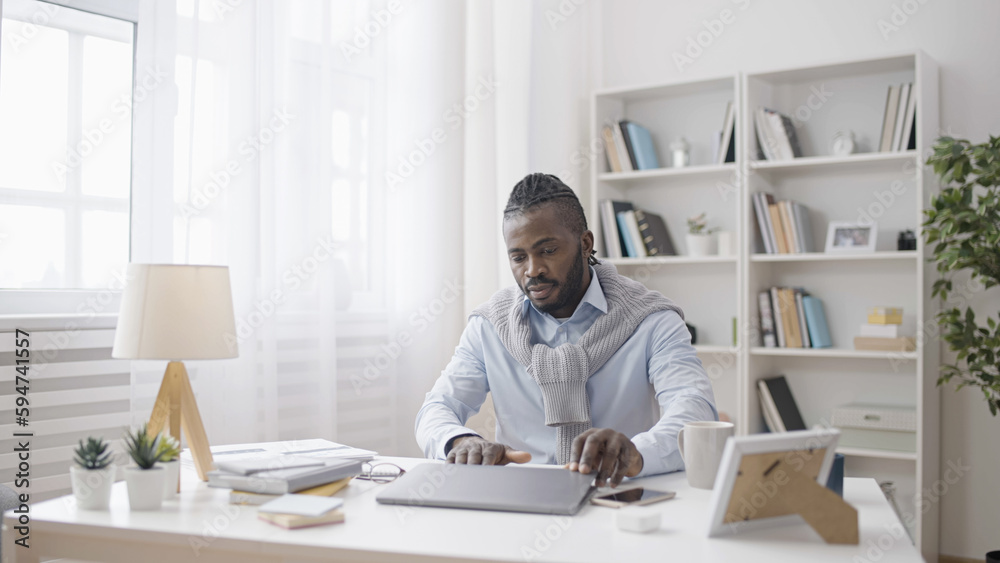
point(715, 290)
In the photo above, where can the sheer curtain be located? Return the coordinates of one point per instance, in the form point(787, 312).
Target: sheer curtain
point(269, 161)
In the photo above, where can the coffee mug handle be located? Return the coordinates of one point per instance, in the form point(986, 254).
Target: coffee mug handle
point(680, 442)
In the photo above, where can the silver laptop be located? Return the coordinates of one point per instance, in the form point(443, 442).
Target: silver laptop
point(512, 488)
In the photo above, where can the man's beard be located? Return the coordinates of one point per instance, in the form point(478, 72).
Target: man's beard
point(567, 290)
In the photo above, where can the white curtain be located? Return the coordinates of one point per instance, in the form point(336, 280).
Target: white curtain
point(349, 162)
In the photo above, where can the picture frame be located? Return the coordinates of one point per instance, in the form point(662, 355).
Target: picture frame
point(847, 237)
point(749, 492)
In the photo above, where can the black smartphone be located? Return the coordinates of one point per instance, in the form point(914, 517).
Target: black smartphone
point(632, 497)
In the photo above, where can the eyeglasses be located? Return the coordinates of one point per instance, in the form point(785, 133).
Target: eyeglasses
point(380, 472)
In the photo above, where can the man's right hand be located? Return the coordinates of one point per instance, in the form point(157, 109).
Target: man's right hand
point(474, 450)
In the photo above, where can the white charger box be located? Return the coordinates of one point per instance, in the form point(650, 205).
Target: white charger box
point(637, 519)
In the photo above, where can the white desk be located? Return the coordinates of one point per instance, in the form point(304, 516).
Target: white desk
point(202, 526)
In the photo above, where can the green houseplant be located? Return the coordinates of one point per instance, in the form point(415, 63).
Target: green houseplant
point(170, 452)
point(963, 223)
point(93, 474)
point(145, 479)
point(700, 239)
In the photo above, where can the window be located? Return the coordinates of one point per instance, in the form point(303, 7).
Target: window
point(66, 85)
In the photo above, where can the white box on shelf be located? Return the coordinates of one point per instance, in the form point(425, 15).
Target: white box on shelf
point(880, 331)
point(877, 417)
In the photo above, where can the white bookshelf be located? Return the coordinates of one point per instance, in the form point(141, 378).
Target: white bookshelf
point(714, 290)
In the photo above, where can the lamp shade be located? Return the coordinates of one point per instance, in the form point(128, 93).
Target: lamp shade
point(176, 312)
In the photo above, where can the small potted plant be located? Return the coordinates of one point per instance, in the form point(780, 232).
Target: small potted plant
point(92, 475)
point(170, 452)
point(145, 478)
point(700, 239)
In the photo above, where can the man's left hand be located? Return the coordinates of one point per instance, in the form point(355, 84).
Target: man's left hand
point(611, 454)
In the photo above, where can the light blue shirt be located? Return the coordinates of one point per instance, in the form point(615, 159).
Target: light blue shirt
point(655, 371)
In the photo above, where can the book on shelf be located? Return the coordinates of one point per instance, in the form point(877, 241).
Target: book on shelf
point(614, 164)
point(875, 343)
point(889, 118)
point(629, 146)
point(908, 140)
point(879, 330)
point(633, 248)
point(280, 481)
point(654, 233)
point(614, 240)
point(766, 319)
point(897, 134)
point(819, 331)
point(776, 136)
point(727, 144)
point(781, 413)
point(791, 318)
point(621, 148)
point(641, 146)
point(256, 499)
point(784, 226)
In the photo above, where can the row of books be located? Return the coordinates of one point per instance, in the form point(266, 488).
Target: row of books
point(791, 318)
point(898, 132)
point(785, 227)
point(776, 137)
point(633, 233)
point(629, 147)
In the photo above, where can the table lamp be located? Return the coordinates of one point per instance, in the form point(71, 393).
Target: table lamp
point(177, 312)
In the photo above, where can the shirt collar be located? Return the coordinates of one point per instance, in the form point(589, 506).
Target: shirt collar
point(594, 296)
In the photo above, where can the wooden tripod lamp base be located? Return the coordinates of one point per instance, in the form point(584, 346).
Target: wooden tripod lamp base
point(176, 409)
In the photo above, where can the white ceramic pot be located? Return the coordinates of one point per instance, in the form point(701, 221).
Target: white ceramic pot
point(173, 469)
point(145, 487)
point(92, 487)
point(701, 244)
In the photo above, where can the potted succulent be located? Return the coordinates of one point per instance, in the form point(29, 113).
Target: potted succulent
point(92, 475)
point(962, 224)
point(144, 479)
point(700, 239)
point(170, 452)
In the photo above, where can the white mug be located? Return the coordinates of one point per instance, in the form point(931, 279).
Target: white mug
point(701, 445)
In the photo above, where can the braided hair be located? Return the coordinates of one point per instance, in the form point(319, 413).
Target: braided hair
point(539, 188)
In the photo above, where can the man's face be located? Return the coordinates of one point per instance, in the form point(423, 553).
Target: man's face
point(548, 261)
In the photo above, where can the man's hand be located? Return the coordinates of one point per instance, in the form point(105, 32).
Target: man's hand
point(611, 454)
point(474, 450)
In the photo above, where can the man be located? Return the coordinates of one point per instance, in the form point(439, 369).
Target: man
point(574, 356)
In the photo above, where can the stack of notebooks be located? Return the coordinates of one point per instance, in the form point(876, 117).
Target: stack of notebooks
point(881, 333)
point(633, 233)
point(781, 414)
point(898, 130)
point(776, 137)
point(629, 147)
point(252, 479)
point(301, 511)
point(784, 226)
point(791, 318)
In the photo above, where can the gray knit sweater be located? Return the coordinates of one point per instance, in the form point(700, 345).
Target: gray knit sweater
point(562, 372)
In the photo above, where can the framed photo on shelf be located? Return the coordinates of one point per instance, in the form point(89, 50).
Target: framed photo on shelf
point(843, 237)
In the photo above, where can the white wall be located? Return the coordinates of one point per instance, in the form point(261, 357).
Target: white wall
point(640, 37)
